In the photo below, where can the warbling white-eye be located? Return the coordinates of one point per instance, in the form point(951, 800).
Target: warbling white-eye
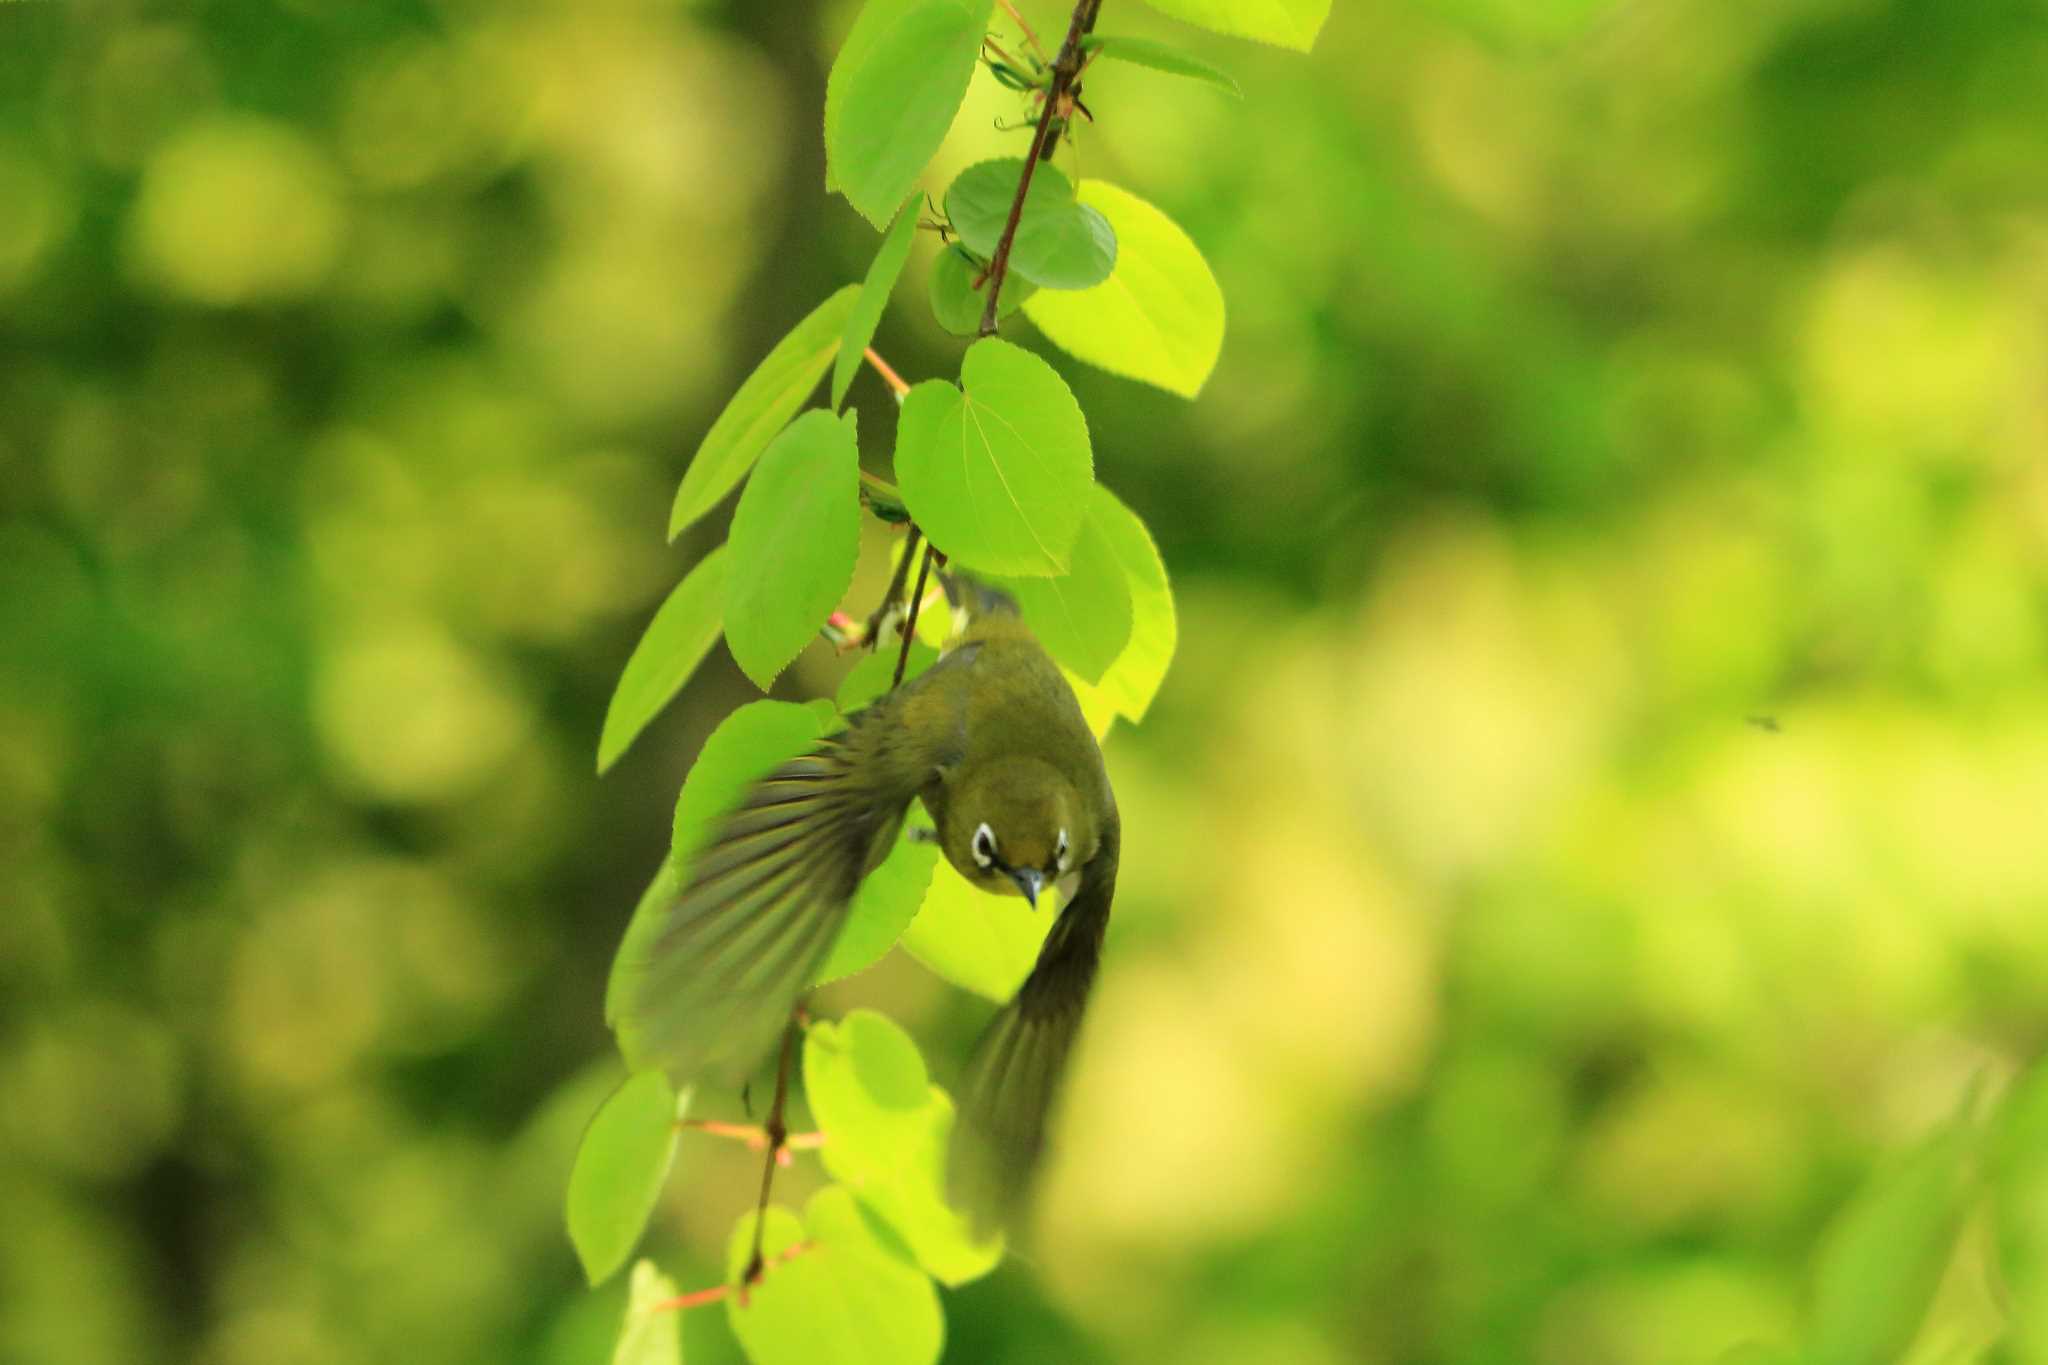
point(992, 740)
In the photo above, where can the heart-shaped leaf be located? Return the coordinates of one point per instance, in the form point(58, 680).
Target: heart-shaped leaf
point(1061, 243)
point(997, 472)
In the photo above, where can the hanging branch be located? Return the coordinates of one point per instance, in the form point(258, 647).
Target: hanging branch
point(1066, 76)
point(910, 627)
point(776, 1135)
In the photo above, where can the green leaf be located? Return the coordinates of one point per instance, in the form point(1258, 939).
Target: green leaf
point(882, 909)
point(795, 537)
point(982, 943)
point(620, 1167)
point(1134, 679)
point(848, 1298)
point(676, 641)
point(957, 304)
point(745, 747)
point(765, 402)
point(1158, 318)
point(649, 1337)
point(874, 296)
point(1060, 242)
point(886, 1128)
point(1285, 23)
point(892, 93)
point(997, 475)
point(1083, 616)
point(1160, 57)
point(874, 674)
point(1885, 1256)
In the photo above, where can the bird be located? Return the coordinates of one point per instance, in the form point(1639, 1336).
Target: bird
point(991, 739)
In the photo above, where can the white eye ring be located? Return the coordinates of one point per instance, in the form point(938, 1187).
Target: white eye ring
point(984, 845)
point(1061, 852)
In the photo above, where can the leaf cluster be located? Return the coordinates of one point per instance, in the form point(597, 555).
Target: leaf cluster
point(996, 470)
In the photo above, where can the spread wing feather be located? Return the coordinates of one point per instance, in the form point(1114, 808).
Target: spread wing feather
point(760, 906)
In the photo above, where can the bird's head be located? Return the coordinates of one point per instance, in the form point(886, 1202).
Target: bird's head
point(1016, 827)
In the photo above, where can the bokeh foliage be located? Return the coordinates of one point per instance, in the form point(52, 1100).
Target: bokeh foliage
point(1599, 379)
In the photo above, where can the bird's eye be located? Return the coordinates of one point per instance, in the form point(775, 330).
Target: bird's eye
point(1061, 852)
point(984, 847)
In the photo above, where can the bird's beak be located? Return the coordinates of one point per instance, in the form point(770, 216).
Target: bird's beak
point(1029, 880)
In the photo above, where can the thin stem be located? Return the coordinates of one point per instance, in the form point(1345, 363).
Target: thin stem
point(754, 1135)
point(910, 627)
point(1020, 22)
point(776, 1135)
point(895, 592)
point(699, 1297)
point(889, 376)
point(1066, 71)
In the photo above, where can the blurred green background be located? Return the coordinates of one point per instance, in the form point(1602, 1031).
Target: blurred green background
point(1596, 816)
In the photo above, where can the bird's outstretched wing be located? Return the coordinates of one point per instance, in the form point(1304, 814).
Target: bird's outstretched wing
point(760, 906)
point(1007, 1094)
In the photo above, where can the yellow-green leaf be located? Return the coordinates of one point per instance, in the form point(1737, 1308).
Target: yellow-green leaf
point(676, 641)
point(649, 1336)
point(1285, 23)
point(892, 93)
point(619, 1170)
point(843, 1298)
point(1157, 318)
point(1134, 679)
point(874, 296)
point(795, 537)
point(997, 471)
point(886, 1129)
point(1083, 616)
point(760, 408)
point(1159, 57)
point(982, 943)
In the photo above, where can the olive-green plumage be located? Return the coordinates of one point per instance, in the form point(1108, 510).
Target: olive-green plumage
point(992, 740)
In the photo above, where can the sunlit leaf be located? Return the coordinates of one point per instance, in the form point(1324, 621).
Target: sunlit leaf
point(874, 296)
point(1287, 23)
point(620, 1166)
point(886, 1128)
point(1160, 57)
point(882, 909)
point(958, 304)
point(997, 472)
point(649, 1337)
point(676, 641)
point(1083, 616)
point(980, 942)
point(761, 407)
point(1884, 1257)
point(1061, 243)
point(795, 537)
point(892, 93)
point(1158, 318)
point(845, 1298)
point(1134, 679)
